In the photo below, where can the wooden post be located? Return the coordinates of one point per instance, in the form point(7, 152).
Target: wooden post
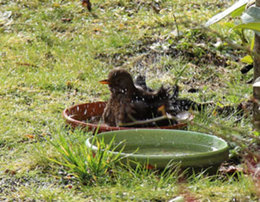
point(257, 57)
point(257, 51)
point(256, 86)
point(256, 108)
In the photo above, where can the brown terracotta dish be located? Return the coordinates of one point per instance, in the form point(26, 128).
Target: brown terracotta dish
point(81, 115)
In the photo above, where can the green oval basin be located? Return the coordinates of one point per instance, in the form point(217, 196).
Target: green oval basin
point(159, 147)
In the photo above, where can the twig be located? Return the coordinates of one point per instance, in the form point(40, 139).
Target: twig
point(177, 27)
point(148, 121)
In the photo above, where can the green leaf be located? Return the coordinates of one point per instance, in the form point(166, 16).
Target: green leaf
point(239, 11)
point(247, 59)
point(252, 43)
point(252, 14)
point(252, 25)
point(234, 9)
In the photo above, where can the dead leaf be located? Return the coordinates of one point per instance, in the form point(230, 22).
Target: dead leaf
point(69, 186)
point(30, 136)
point(230, 169)
point(87, 4)
point(26, 64)
point(66, 19)
point(121, 26)
point(97, 29)
point(69, 85)
point(56, 5)
point(12, 172)
point(150, 167)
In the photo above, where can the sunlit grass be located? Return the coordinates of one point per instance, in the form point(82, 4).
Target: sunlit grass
point(52, 56)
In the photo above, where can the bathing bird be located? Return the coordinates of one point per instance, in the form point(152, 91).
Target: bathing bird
point(129, 102)
point(174, 105)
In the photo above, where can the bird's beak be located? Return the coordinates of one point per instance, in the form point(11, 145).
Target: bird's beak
point(105, 81)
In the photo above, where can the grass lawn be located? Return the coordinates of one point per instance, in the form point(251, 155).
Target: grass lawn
point(52, 55)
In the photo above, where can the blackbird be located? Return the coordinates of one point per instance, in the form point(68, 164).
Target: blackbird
point(140, 82)
point(129, 102)
point(175, 105)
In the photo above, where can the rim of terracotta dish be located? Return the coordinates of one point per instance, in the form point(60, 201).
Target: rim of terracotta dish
point(104, 127)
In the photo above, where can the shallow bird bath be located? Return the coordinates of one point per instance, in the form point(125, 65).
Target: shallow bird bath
point(160, 147)
point(88, 116)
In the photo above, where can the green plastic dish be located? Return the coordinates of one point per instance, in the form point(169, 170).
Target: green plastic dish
point(160, 147)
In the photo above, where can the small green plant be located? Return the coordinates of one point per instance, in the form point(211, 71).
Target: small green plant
point(52, 53)
point(88, 166)
point(250, 20)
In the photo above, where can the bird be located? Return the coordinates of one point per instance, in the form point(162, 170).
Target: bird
point(175, 105)
point(129, 102)
point(140, 82)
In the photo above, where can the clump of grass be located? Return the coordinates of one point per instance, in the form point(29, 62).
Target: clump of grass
point(51, 56)
point(220, 189)
point(90, 167)
point(101, 166)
